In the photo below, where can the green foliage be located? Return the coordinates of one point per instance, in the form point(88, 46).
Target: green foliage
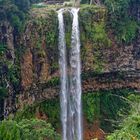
point(16, 22)
point(91, 106)
point(120, 20)
point(2, 48)
point(14, 12)
point(55, 67)
point(53, 82)
point(93, 28)
point(130, 126)
point(24, 5)
point(49, 27)
point(100, 35)
point(105, 106)
point(51, 24)
point(127, 32)
point(50, 37)
point(117, 7)
point(101, 105)
point(3, 92)
point(52, 109)
point(13, 75)
point(8, 71)
point(27, 112)
point(27, 130)
point(94, 37)
point(112, 102)
point(68, 29)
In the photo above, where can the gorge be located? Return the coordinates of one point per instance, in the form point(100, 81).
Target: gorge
point(87, 56)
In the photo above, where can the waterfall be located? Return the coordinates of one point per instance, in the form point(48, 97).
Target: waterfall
point(75, 81)
point(70, 97)
point(63, 72)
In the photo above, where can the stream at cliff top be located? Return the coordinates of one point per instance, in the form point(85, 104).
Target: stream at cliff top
point(70, 95)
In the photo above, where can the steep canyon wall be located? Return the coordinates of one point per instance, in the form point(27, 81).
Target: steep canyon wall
point(33, 57)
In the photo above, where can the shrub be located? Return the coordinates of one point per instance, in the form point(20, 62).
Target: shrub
point(120, 19)
point(130, 126)
point(27, 130)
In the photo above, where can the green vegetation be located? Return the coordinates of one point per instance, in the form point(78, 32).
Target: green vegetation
point(130, 126)
point(68, 22)
point(91, 106)
point(100, 36)
point(112, 102)
point(120, 20)
point(3, 92)
point(105, 106)
point(102, 105)
point(100, 27)
point(97, 106)
point(92, 24)
point(50, 108)
point(27, 112)
point(8, 72)
point(27, 130)
point(2, 49)
point(47, 32)
point(14, 12)
point(94, 36)
point(53, 82)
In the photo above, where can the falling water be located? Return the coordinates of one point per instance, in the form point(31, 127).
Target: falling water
point(63, 72)
point(75, 81)
point(70, 96)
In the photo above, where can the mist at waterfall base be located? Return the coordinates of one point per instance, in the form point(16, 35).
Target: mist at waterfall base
point(70, 96)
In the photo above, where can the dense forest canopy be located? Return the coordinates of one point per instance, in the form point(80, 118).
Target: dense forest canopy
point(121, 17)
point(15, 9)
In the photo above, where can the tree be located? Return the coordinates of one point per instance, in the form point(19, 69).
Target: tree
point(130, 126)
point(24, 5)
point(27, 130)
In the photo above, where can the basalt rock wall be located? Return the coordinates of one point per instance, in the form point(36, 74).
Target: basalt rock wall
point(33, 57)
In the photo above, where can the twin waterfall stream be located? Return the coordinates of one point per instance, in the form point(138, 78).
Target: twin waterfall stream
point(70, 96)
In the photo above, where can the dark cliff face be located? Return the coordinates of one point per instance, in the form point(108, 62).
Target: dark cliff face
point(34, 54)
point(7, 60)
point(137, 42)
